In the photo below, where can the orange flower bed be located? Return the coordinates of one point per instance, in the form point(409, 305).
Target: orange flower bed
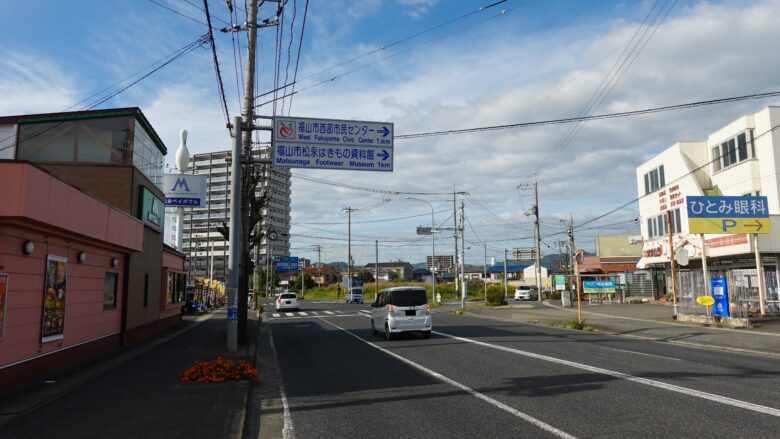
point(218, 371)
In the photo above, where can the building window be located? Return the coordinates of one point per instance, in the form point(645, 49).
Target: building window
point(657, 226)
point(733, 151)
point(176, 285)
point(655, 180)
point(109, 291)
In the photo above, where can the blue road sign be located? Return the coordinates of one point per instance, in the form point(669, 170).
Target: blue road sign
point(286, 263)
point(721, 214)
point(232, 314)
point(300, 142)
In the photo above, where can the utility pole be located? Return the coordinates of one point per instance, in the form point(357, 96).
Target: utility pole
point(376, 267)
point(234, 240)
point(538, 240)
point(455, 221)
point(463, 290)
point(672, 261)
point(484, 271)
point(319, 266)
point(537, 236)
point(506, 291)
point(349, 247)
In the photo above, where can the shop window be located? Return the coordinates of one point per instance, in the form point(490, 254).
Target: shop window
point(176, 286)
point(109, 291)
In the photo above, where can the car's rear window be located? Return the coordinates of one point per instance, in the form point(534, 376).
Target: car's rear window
point(288, 296)
point(408, 298)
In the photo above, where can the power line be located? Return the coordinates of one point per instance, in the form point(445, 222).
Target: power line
point(594, 117)
point(216, 63)
point(379, 221)
point(366, 189)
point(384, 46)
point(289, 47)
point(204, 11)
point(179, 13)
point(298, 57)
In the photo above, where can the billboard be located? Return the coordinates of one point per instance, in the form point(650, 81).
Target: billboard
point(184, 190)
point(722, 215)
point(286, 263)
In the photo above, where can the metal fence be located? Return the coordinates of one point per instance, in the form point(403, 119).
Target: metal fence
point(742, 291)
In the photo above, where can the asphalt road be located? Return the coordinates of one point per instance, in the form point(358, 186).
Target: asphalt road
point(479, 377)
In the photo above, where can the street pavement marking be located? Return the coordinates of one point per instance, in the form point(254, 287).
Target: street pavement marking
point(498, 404)
point(276, 314)
point(638, 353)
point(289, 314)
point(287, 428)
point(365, 311)
point(648, 382)
point(302, 313)
point(314, 313)
point(329, 312)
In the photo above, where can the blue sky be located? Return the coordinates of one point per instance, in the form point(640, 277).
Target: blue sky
point(539, 60)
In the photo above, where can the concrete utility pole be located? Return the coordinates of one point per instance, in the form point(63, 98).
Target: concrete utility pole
point(376, 267)
point(319, 266)
point(538, 240)
point(484, 271)
point(455, 221)
point(433, 245)
point(463, 290)
point(506, 290)
point(234, 240)
point(672, 261)
point(349, 247)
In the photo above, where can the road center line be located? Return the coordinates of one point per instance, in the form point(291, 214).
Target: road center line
point(498, 404)
point(637, 353)
point(648, 382)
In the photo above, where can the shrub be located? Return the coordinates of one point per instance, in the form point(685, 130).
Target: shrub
point(260, 308)
point(575, 324)
point(495, 297)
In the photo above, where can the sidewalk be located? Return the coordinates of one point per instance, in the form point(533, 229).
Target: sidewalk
point(136, 392)
point(646, 321)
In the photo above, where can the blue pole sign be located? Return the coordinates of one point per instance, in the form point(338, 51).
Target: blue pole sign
point(232, 314)
point(721, 295)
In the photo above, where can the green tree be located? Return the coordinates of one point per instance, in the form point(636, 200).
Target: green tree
point(367, 276)
point(262, 277)
point(308, 280)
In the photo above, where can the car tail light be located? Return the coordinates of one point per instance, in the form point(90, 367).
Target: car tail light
point(427, 309)
point(391, 310)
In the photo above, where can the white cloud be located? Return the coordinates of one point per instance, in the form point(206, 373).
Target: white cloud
point(30, 83)
point(416, 9)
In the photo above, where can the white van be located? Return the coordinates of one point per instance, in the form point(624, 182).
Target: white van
point(355, 295)
point(401, 309)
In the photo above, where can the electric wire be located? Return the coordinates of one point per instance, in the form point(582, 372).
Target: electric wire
point(289, 47)
point(298, 57)
point(181, 14)
point(216, 64)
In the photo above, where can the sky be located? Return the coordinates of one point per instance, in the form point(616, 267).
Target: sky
point(425, 66)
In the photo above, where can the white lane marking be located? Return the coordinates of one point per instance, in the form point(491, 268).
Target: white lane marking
point(638, 353)
point(318, 317)
point(365, 311)
point(289, 314)
point(648, 382)
point(314, 313)
point(329, 312)
point(276, 314)
point(498, 404)
point(287, 427)
point(302, 313)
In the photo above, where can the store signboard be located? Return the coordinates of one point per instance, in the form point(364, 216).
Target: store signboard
point(598, 286)
point(726, 215)
point(185, 190)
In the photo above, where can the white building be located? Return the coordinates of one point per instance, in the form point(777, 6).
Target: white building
point(736, 160)
point(203, 244)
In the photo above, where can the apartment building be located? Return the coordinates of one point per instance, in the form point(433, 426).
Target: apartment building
point(736, 160)
point(206, 248)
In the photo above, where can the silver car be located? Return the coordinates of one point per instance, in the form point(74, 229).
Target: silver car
point(287, 301)
point(526, 293)
point(401, 309)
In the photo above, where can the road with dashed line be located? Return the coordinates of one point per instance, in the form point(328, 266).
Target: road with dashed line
point(480, 377)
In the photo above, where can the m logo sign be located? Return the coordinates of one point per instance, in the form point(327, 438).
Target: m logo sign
point(184, 190)
point(181, 185)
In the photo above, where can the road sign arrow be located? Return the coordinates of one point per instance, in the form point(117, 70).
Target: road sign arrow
point(384, 154)
point(384, 131)
point(758, 225)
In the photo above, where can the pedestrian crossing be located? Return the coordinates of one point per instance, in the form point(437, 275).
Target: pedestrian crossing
point(323, 313)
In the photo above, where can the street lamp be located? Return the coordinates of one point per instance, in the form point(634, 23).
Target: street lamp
point(433, 246)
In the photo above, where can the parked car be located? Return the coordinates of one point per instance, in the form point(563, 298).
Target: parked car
point(526, 292)
point(287, 301)
point(355, 295)
point(401, 309)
